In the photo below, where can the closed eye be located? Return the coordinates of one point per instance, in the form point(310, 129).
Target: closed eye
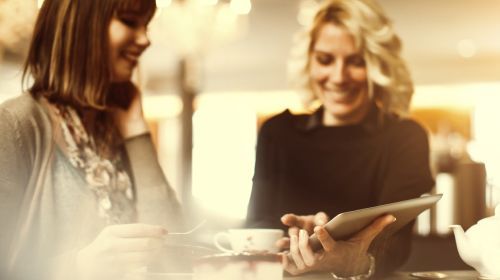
point(130, 22)
point(324, 59)
point(356, 60)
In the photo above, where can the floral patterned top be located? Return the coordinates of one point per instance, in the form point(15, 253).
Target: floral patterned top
point(107, 178)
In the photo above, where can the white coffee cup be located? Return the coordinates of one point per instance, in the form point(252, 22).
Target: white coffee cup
point(244, 240)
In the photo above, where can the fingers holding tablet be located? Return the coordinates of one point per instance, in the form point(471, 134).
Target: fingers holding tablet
point(365, 221)
point(374, 229)
point(306, 222)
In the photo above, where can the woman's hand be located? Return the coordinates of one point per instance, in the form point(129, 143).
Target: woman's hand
point(297, 222)
point(127, 111)
point(344, 258)
point(119, 249)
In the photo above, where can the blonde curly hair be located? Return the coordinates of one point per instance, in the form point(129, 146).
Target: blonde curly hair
point(390, 84)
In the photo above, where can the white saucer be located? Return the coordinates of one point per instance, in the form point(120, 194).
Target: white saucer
point(160, 276)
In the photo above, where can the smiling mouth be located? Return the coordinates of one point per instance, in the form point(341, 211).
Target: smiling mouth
point(131, 57)
point(340, 95)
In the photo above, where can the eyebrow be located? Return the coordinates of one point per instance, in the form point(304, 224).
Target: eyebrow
point(322, 52)
point(329, 53)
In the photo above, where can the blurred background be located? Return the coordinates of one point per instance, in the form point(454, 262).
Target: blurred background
point(218, 68)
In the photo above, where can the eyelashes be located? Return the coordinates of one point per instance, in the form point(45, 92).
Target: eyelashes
point(133, 20)
point(327, 59)
point(133, 23)
point(324, 59)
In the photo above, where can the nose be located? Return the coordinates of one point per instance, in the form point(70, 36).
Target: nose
point(142, 38)
point(338, 72)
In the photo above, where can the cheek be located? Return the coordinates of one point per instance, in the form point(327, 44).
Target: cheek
point(359, 75)
point(318, 73)
point(117, 36)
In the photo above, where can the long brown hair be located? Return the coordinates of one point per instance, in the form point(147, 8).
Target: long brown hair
point(68, 59)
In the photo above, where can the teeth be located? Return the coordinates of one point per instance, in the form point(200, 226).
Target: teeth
point(130, 56)
point(336, 93)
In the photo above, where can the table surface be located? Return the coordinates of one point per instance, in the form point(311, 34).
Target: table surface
point(451, 275)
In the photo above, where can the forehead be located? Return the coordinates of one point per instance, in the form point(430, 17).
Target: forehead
point(333, 38)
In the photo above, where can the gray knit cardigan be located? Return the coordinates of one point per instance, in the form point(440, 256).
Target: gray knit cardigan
point(27, 144)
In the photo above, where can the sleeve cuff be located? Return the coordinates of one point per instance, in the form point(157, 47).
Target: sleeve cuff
point(141, 135)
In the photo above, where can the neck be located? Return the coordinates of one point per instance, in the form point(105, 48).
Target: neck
point(355, 117)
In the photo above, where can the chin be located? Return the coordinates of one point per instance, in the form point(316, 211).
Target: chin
point(341, 115)
point(340, 110)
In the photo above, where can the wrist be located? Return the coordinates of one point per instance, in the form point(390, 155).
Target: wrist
point(134, 128)
point(363, 271)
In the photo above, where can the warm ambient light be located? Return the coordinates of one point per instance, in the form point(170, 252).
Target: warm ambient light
point(241, 7)
point(459, 96)
point(262, 103)
point(195, 27)
point(307, 11)
point(485, 146)
point(163, 3)
point(223, 156)
point(466, 48)
point(209, 2)
point(161, 106)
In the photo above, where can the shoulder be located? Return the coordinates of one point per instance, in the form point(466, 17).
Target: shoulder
point(24, 114)
point(23, 105)
point(410, 127)
point(406, 131)
point(283, 122)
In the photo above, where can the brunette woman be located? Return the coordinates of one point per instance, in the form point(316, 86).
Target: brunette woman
point(81, 190)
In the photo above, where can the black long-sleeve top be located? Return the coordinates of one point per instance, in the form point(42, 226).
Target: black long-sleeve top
point(303, 167)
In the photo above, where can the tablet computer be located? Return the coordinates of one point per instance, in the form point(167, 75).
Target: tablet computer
point(346, 224)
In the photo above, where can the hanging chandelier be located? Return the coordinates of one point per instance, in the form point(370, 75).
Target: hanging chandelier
point(196, 26)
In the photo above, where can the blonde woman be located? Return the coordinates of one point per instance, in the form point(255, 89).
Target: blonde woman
point(82, 194)
point(356, 150)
